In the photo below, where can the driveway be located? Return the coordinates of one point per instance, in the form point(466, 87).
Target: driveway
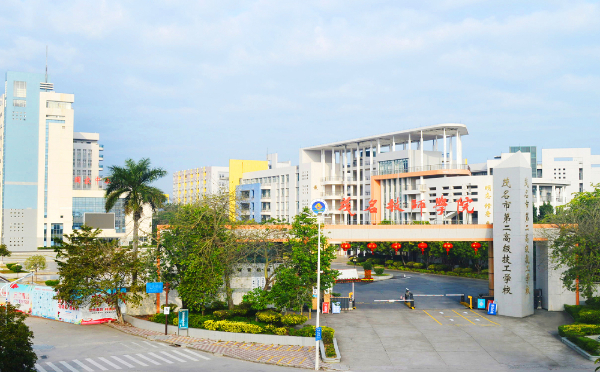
point(442, 335)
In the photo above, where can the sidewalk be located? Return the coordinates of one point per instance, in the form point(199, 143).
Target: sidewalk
point(283, 355)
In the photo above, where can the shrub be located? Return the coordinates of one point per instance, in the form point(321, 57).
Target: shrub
point(293, 319)
point(271, 329)
point(51, 283)
point(367, 266)
point(309, 331)
point(197, 320)
point(587, 344)
point(235, 327)
point(398, 264)
point(379, 271)
point(467, 270)
point(485, 271)
point(389, 263)
point(9, 265)
point(574, 310)
point(572, 330)
point(418, 265)
point(589, 316)
point(222, 314)
point(432, 267)
point(268, 316)
point(16, 268)
point(410, 264)
point(593, 302)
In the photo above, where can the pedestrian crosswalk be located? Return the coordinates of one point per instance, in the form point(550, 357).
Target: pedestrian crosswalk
point(160, 355)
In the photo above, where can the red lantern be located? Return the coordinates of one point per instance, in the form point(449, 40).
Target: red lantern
point(396, 246)
point(372, 247)
point(448, 246)
point(475, 246)
point(345, 246)
point(422, 246)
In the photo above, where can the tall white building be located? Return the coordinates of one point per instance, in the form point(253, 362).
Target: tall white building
point(51, 179)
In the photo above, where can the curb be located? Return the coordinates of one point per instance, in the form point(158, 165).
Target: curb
point(337, 352)
point(446, 276)
point(584, 353)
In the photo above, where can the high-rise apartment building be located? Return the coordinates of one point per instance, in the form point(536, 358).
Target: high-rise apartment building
point(51, 181)
point(191, 184)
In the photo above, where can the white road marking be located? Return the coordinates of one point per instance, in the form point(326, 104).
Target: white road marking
point(122, 361)
point(148, 359)
point(109, 363)
point(127, 346)
point(96, 364)
point(40, 368)
point(149, 343)
point(441, 312)
point(184, 355)
point(82, 365)
point(477, 319)
point(465, 312)
point(68, 366)
point(196, 354)
point(53, 367)
point(451, 320)
point(135, 360)
point(161, 358)
point(172, 356)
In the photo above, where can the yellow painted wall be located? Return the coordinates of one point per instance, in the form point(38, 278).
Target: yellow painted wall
point(237, 168)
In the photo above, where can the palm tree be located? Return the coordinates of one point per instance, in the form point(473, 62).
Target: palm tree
point(133, 181)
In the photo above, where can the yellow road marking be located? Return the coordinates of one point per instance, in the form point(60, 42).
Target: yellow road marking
point(302, 361)
point(438, 322)
point(280, 360)
point(291, 360)
point(280, 346)
point(270, 358)
point(227, 343)
point(463, 317)
point(288, 349)
point(485, 318)
point(260, 357)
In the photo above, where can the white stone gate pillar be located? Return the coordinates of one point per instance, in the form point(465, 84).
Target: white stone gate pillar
point(513, 237)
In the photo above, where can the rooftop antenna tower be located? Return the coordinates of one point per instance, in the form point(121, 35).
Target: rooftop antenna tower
point(46, 63)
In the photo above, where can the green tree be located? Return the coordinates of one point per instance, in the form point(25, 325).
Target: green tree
point(297, 276)
point(94, 271)
point(546, 210)
point(133, 182)
point(16, 341)
point(4, 252)
point(35, 262)
point(575, 241)
point(188, 261)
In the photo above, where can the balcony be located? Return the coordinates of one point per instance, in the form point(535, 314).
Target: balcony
point(333, 179)
point(101, 147)
point(337, 194)
point(424, 168)
point(101, 156)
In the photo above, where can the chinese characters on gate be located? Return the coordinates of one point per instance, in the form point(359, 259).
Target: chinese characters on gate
point(527, 232)
point(441, 204)
point(88, 181)
point(506, 250)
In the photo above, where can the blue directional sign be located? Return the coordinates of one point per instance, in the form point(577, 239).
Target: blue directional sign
point(318, 334)
point(492, 309)
point(183, 318)
point(154, 287)
point(481, 303)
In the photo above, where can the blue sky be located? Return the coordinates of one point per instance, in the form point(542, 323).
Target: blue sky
point(193, 83)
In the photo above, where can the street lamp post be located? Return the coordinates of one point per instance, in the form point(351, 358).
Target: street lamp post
point(319, 207)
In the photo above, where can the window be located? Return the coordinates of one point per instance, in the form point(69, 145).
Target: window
point(20, 89)
point(19, 103)
point(58, 105)
point(56, 233)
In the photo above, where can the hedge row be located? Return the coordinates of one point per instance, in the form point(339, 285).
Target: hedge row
point(574, 330)
point(587, 344)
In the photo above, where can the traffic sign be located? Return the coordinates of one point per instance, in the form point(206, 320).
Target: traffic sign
point(492, 308)
point(166, 310)
point(319, 206)
point(154, 287)
point(183, 318)
point(318, 334)
point(481, 303)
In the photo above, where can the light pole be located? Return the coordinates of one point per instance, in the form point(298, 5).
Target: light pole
point(319, 207)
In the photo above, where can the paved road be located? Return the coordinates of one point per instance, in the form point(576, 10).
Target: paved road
point(70, 347)
point(441, 335)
